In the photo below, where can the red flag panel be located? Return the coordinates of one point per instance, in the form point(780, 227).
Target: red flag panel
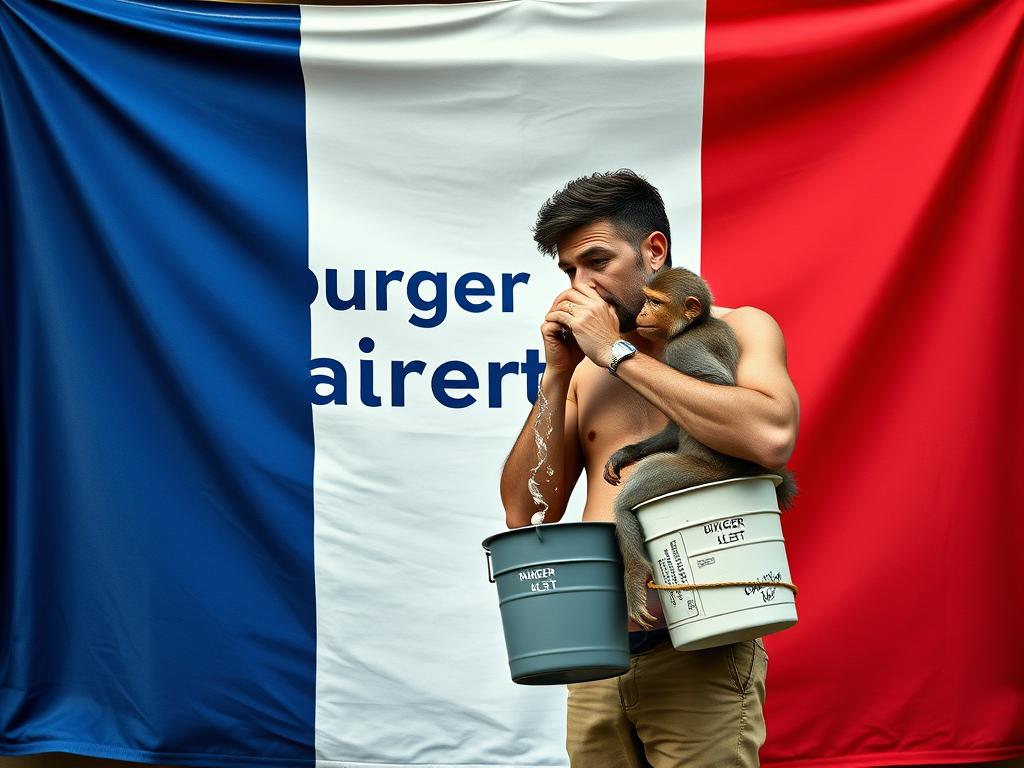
point(863, 181)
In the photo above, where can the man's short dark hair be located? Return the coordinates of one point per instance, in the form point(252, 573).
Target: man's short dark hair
point(631, 203)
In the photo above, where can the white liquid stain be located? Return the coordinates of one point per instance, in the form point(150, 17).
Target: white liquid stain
point(541, 424)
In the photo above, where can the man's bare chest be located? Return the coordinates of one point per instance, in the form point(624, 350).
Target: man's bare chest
point(610, 415)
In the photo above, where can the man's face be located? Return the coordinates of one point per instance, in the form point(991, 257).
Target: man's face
point(597, 254)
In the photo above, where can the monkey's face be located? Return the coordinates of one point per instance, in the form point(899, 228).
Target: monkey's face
point(663, 316)
point(655, 320)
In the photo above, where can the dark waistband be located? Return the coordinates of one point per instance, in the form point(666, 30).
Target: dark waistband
point(645, 640)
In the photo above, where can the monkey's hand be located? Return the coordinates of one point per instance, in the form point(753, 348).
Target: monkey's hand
point(624, 457)
point(635, 580)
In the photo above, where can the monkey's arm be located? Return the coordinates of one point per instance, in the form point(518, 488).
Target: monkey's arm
point(666, 440)
point(756, 420)
point(564, 458)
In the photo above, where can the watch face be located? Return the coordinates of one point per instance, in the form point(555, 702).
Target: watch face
point(621, 349)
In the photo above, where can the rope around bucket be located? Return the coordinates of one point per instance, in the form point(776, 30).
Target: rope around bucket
point(712, 585)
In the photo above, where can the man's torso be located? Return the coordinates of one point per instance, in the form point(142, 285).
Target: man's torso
point(610, 414)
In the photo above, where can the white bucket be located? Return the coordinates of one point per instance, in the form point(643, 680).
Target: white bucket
point(719, 532)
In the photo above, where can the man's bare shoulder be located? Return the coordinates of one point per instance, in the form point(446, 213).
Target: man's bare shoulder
point(749, 322)
point(584, 377)
point(595, 391)
point(743, 315)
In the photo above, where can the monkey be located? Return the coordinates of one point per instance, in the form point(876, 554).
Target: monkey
point(677, 309)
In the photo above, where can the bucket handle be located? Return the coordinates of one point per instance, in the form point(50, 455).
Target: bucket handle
point(490, 569)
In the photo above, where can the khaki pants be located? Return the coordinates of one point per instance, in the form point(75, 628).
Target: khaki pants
point(673, 709)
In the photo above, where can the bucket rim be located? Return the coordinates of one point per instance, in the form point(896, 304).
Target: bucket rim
point(776, 479)
point(487, 542)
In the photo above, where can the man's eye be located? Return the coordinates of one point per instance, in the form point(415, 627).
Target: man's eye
point(570, 273)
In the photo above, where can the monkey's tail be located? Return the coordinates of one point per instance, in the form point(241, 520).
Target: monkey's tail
point(786, 490)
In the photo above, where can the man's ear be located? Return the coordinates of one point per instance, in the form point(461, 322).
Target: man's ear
point(655, 250)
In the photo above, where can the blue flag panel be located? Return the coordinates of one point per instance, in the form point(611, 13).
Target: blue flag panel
point(157, 552)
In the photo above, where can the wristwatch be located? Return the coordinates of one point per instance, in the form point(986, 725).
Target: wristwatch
point(621, 350)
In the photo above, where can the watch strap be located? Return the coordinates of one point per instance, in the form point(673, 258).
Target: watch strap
point(617, 358)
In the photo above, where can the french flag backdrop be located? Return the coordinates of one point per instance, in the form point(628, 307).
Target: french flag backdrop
point(270, 309)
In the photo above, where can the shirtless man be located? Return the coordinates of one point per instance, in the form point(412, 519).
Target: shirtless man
point(609, 232)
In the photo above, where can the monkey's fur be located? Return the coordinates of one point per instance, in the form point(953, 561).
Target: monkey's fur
point(678, 309)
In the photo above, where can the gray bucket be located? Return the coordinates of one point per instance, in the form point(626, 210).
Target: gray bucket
point(562, 604)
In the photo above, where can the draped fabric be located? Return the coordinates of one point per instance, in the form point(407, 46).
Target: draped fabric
point(863, 179)
point(157, 563)
point(269, 308)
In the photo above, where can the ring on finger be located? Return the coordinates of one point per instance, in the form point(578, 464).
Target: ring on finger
point(571, 309)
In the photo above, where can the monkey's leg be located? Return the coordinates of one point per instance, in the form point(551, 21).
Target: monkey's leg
point(664, 473)
point(708, 352)
point(711, 370)
point(665, 441)
point(637, 567)
point(654, 476)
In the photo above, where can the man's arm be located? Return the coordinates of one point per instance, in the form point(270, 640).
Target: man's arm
point(755, 420)
point(563, 457)
point(561, 356)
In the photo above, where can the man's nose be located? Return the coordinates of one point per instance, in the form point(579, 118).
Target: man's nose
point(581, 277)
